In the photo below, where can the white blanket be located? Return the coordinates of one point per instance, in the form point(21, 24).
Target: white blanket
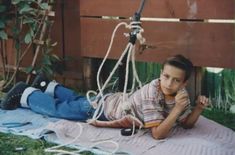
point(206, 138)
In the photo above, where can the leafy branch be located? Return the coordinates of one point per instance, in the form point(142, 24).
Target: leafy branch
point(24, 21)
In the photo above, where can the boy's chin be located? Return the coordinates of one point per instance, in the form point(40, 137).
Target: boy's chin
point(169, 93)
point(173, 95)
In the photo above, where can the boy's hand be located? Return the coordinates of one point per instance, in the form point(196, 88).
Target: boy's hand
point(125, 122)
point(181, 100)
point(202, 102)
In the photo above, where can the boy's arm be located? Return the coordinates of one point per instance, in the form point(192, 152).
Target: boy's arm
point(162, 131)
point(192, 118)
point(124, 122)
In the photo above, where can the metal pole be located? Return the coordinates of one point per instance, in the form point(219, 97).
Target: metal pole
point(132, 39)
point(141, 7)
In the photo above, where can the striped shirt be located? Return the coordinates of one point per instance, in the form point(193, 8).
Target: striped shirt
point(147, 104)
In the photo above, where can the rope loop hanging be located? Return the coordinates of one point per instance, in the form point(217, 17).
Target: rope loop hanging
point(130, 52)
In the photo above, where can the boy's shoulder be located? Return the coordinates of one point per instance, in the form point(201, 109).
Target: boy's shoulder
point(150, 85)
point(154, 82)
point(151, 89)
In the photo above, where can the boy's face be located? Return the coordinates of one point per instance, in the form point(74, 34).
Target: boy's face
point(172, 79)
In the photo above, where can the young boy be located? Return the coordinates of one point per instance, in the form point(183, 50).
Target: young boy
point(158, 105)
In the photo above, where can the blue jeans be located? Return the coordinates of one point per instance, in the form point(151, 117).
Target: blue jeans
point(65, 104)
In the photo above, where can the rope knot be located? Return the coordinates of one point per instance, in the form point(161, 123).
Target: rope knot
point(126, 107)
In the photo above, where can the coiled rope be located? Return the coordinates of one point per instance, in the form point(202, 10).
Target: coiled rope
point(130, 51)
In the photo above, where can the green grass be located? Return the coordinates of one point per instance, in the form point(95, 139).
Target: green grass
point(10, 143)
point(21, 145)
point(226, 119)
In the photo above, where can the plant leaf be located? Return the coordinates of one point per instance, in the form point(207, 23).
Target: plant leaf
point(54, 44)
point(47, 70)
point(28, 38)
point(31, 32)
point(15, 2)
point(26, 8)
point(3, 35)
point(44, 6)
point(28, 20)
point(46, 60)
point(17, 45)
point(55, 56)
point(28, 69)
point(2, 24)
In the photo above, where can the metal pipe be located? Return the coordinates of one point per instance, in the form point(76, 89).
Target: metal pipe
point(141, 7)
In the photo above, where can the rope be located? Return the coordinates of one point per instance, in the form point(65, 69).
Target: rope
point(127, 74)
point(130, 51)
point(126, 106)
point(96, 115)
point(108, 141)
point(55, 149)
point(136, 77)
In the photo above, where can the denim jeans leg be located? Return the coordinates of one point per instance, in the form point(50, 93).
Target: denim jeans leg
point(77, 109)
point(63, 93)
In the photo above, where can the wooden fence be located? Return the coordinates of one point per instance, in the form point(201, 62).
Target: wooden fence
point(83, 29)
point(206, 44)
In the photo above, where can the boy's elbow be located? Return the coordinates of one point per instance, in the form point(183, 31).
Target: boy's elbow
point(158, 136)
point(187, 126)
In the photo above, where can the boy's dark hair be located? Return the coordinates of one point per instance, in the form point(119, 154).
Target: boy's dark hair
point(181, 62)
